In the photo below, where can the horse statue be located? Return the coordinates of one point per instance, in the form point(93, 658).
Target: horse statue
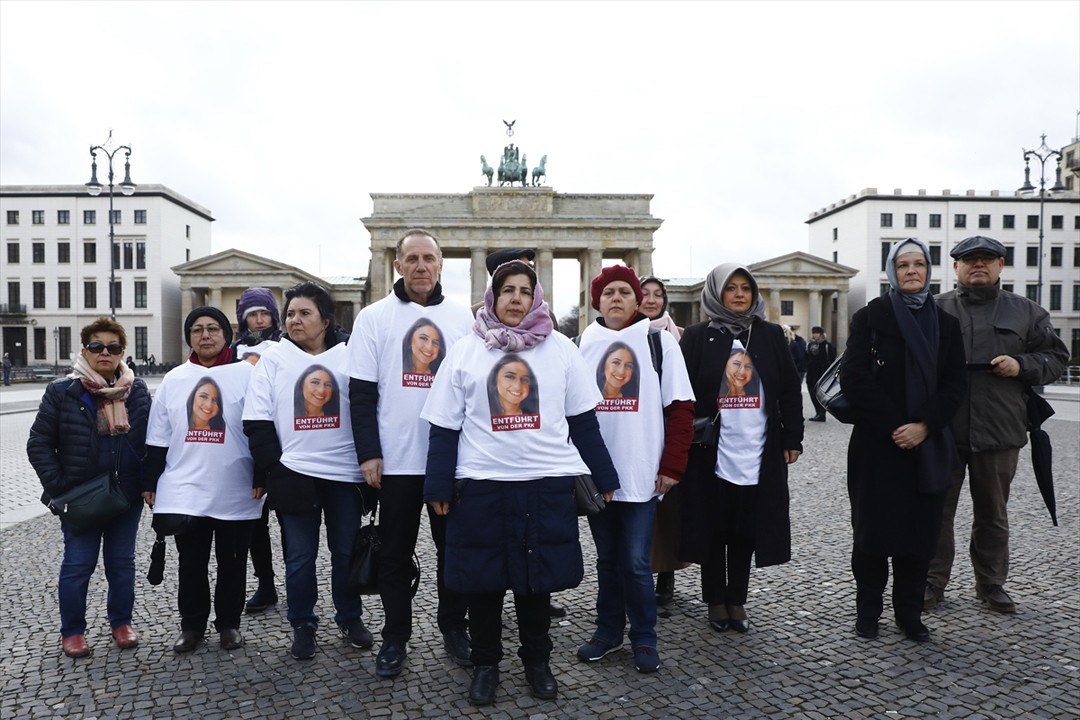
point(485, 169)
point(539, 171)
point(512, 171)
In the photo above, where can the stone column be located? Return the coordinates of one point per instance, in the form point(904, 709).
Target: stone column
point(772, 312)
point(185, 304)
point(814, 314)
point(841, 321)
point(215, 296)
point(545, 273)
point(643, 263)
point(478, 273)
point(592, 261)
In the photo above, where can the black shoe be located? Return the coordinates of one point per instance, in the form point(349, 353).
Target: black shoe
point(914, 630)
point(932, 597)
point(541, 681)
point(188, 641)
point(391, 659)
point(359, 636)
point(263, 597)
point(456, 643)
point(485, 681)
point(996, 598)
point(718, 618)
point(741, 625)
point(556, 611)
point(820, 417)
point(665, 588)
point(304, 645)
point(866, 628)
point(231, 639)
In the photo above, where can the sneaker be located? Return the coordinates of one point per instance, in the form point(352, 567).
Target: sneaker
point(932, 597)
point(359, 636)
point(996, 598)
point(261, 599)
point(596, 649)
point(303, 646)
point(646, 659)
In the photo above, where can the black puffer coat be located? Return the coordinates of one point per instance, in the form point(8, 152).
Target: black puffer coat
point(64, 446)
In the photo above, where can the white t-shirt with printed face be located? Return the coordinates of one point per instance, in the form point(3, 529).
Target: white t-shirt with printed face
point(631, 413)
point(511, 408)
point(196, 414)
point(307, 399)
point(742, 420)
point(401, 346)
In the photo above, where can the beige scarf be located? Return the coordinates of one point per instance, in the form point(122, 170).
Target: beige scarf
point(111, 400)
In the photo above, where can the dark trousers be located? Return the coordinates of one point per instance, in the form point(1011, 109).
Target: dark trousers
point(230, 539)
point(725, 575)
point(872, 574)
point(262, 556)
point(400, 501)
point(485, 622)
point(811, 380)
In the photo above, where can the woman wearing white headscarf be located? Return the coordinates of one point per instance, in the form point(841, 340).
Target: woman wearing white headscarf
point(904, 374)
point(735, 491)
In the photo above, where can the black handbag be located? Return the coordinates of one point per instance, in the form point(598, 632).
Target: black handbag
point(364, 563)
point(830, 395)
point(705, 431)
point(589, 500)
point(92, 504)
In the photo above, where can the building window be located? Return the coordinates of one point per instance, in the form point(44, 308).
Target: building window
point(883, 289)
point(187, 231)
point(37, 217)
point(1055, 296)
point(959, 221)
point(114, 218)
point(187, 254)
point(935, 288)
point(1075, 342)
point(14, 295)
point(1076, 297)
point(63, 294)
point(13, 253)
point(63, 253)
point(911, 220)
point(140, 255)
point(835, 256)
point(1008, 222)
point(65, 344)
point(885, 247)
point(140, 217)
point(1009, 253)
point(1057, 222)
point(63, 217)
point(935, 220)
point(1056, 256)
point(89, 252)
point(835, 234)
point(1031, 291)
point(140, 342)
point(89, 217)
point(116, 255)
point(41, 344)
point(1076, 256)
point(886, 219)
point(129, 255)
point(1007, 287)
point(39, 294)
point(1033, 222)
point(935, 254)
point(37, 251)
point(89, 293)
point(140, 295)
point(984, 222)
point(1076, 222)
point(12, 217)
point(787, 307)
point(1032, 257)
point(116, 294)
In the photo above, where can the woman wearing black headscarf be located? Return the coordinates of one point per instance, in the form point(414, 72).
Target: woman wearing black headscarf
point(735, 491)
point(904, 375)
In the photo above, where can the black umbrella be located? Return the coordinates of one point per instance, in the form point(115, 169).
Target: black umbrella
point(1042, 454)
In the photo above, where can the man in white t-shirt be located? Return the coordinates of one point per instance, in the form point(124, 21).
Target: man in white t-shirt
point(397, 346)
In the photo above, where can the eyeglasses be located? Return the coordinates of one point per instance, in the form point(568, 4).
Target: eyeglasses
point(112, 348)
point(209, 330)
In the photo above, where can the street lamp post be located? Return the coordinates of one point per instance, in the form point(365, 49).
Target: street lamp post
point(1042, 154)
point(94, 188)
point(56, 350)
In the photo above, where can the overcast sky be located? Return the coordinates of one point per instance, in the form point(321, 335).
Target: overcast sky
point(741, 118)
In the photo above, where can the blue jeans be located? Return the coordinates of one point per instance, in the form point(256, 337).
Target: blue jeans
point(623, 537)
point(80, 560)
point(341, 506)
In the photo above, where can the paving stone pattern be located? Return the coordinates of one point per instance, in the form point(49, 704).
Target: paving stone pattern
point(801, 658)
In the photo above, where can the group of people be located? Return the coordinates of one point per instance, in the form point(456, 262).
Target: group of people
point(488, 419)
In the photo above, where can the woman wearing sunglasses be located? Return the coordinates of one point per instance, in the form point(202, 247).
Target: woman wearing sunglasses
point(88, 423)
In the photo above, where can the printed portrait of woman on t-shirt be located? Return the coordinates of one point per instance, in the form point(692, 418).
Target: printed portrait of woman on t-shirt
point(422, 351)
point(205, 421)
point(741, 387)
point(513, 395)
point(619, 379)
point(316, 402)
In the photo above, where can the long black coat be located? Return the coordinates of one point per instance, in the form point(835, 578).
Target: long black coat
point(706, 351)
point(889, 515)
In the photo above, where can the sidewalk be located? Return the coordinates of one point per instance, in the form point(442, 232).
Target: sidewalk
point(801, 658)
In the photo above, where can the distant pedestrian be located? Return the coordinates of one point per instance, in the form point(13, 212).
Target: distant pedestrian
point(797, 346)
point(7, 369)
point(820, 354)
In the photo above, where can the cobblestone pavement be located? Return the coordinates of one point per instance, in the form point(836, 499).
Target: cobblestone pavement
point(801, 658)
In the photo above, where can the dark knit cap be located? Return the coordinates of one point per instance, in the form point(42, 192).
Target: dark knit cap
point(499, 257)
point(256, 298)
point(207, 311)
point(610, 274)
point(817, 329)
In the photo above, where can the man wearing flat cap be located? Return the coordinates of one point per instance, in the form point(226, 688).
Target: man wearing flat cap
point(1010, 346)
